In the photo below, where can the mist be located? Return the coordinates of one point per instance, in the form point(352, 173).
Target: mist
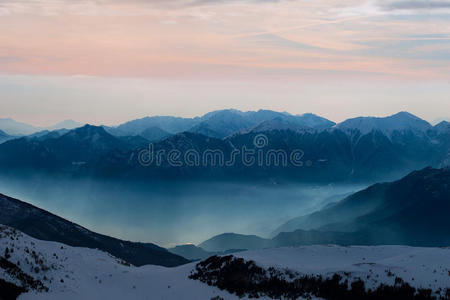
point(172, 213)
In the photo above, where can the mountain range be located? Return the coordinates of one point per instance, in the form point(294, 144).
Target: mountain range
point(217, 124)
point(15, 128)
point(398, 122)
point(357, 149)
point(222, 123)
point(410, 211)
point(59, 151)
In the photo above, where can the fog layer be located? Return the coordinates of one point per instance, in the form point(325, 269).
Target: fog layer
point(173, 213)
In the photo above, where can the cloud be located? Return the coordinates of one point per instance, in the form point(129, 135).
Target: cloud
point(415, 5)
point(111, 7)
point(274, 40)
point(190, 3)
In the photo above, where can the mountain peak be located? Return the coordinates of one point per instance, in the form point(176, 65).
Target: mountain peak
point(66, 124)
point(91, 134)
point(315, 121)
point(90, 129)
point(405, 114)
point(442, 127)
point(12, 127)
point(397, 122)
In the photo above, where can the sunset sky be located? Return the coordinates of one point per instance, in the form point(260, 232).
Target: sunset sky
point(108, 61)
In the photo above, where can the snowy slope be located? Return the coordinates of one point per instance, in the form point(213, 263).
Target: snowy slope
point(81, 273)
point(419, 267)
point(398, 122)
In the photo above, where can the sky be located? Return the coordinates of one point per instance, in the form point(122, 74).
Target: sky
point(109, 61)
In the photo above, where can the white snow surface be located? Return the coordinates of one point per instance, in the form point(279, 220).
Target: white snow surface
point(420, 267)
point(81, 273)
point(93, 274)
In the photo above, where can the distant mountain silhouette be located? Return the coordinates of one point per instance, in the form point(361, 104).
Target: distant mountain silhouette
point(228, 241)
point(66, 124)
point(329, 154)
point(190, 252)
point(223, 123)
point(193, 252)
point(43, 225)
point(414, 211)
point(11, 127)
point(351, 207)
point(418, 189)
point(316, 121)
point(408, 211)
point(411, 211)
point(398, 122)
point(218, 124)
point(169, 124)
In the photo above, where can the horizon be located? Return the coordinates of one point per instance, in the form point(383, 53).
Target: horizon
point(45, 126)
point(114, 101)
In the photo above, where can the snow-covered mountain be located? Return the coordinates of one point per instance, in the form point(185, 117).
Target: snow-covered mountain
point(82, 273)
point(334, 154)
point(315, 121)
point(399, 122)
point(218, 124)
point(66, 124)
point(223, 123)
point(331, 272)
point(169, 124)
point(225, 241)
point(48, 270)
